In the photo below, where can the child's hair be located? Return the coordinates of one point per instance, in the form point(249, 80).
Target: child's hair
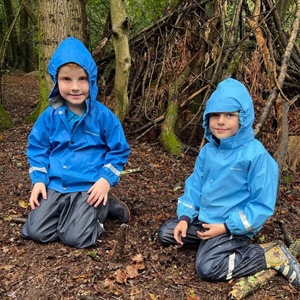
point(72, 65)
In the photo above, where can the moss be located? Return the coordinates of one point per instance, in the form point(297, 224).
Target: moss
point(5, 119)
point(168, 138)
point(43, 101)
point(43, 88)
point(170, 143)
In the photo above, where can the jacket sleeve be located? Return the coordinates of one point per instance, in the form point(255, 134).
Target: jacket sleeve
point(117, 149)
point(38, 150)
point(189, 203)
point(263, 182)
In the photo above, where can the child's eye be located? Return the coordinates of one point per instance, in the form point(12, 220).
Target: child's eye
point(232, 115)
point(64, 78)
point(213, 115)
point(84, 78)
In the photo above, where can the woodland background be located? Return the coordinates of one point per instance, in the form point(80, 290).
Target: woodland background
point(158, 63)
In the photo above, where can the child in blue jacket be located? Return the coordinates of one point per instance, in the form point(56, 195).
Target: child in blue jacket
point(230, 195)
point(76, 151)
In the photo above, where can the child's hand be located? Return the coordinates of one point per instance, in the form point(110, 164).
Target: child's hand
point(212, 230)
point(180, 231)
point(98, 192)
point(38, 188)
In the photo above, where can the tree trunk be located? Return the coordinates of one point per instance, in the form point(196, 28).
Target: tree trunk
point(168, 138)
point(57, 20)
point(13, 36)
point(24, 41)
point(120, 30)
point(5, 120)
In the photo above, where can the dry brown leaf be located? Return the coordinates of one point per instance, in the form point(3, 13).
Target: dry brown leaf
point(140, 266)
point(132, 271)
point(137, 258)
point(136, 293)
point(109, 285)
point(120, 276)
point(7, 267)
point(81, 278)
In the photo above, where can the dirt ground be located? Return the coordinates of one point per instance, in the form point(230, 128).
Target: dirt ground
point(147, 271)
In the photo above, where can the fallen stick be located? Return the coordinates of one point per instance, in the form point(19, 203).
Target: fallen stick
point(17, 220)
point(247, 285)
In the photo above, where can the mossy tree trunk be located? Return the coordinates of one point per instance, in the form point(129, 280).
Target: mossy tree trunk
point(168, 138)
point(120, 37)
point(5, 119)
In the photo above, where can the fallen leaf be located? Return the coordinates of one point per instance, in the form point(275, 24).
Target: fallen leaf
point(120, 276)
point(137, 258)
point(132, 271)
point(24, 204)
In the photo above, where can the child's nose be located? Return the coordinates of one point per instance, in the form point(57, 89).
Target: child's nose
point(221, 119)
point(75, 86)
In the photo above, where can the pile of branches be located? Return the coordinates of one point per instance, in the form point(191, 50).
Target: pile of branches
point(179, 60)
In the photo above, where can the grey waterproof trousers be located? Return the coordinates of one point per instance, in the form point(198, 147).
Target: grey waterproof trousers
point(221, 258)
point(65, 217)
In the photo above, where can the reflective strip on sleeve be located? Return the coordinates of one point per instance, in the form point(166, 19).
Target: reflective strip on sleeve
point(184, 204)
point(32, 169)
point(245, 222)
point(113, 169)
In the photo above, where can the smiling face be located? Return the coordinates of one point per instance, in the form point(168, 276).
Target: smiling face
point(73, 86)
point(223, 125)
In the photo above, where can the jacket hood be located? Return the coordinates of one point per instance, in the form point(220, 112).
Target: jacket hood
point(72, 50)
point(231, 96)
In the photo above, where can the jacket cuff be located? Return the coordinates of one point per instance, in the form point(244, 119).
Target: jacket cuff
point(185, 218)
point(226, 227)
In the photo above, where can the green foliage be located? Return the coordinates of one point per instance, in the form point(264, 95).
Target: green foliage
point(3, 23)
point(97, 12)
point(145, 13)
point(141, 14)
point(287, 179)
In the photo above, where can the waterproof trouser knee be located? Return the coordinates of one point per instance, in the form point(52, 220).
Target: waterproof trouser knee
point(221, 258)
point(65, 217)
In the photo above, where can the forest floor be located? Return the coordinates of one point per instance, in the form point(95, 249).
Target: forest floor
point(148, 271)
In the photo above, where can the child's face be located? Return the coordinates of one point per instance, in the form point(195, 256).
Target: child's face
point(223, 125)
point(73, 85)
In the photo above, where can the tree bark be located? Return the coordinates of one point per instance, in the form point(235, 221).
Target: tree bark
point(14, 45)
point(120, 36)
point(5, 119)
point(168, 137)
point(57, 20)
point(24, 42)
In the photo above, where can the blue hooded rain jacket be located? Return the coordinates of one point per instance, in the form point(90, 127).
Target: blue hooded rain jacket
point(234, 180)
point(68, 160)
